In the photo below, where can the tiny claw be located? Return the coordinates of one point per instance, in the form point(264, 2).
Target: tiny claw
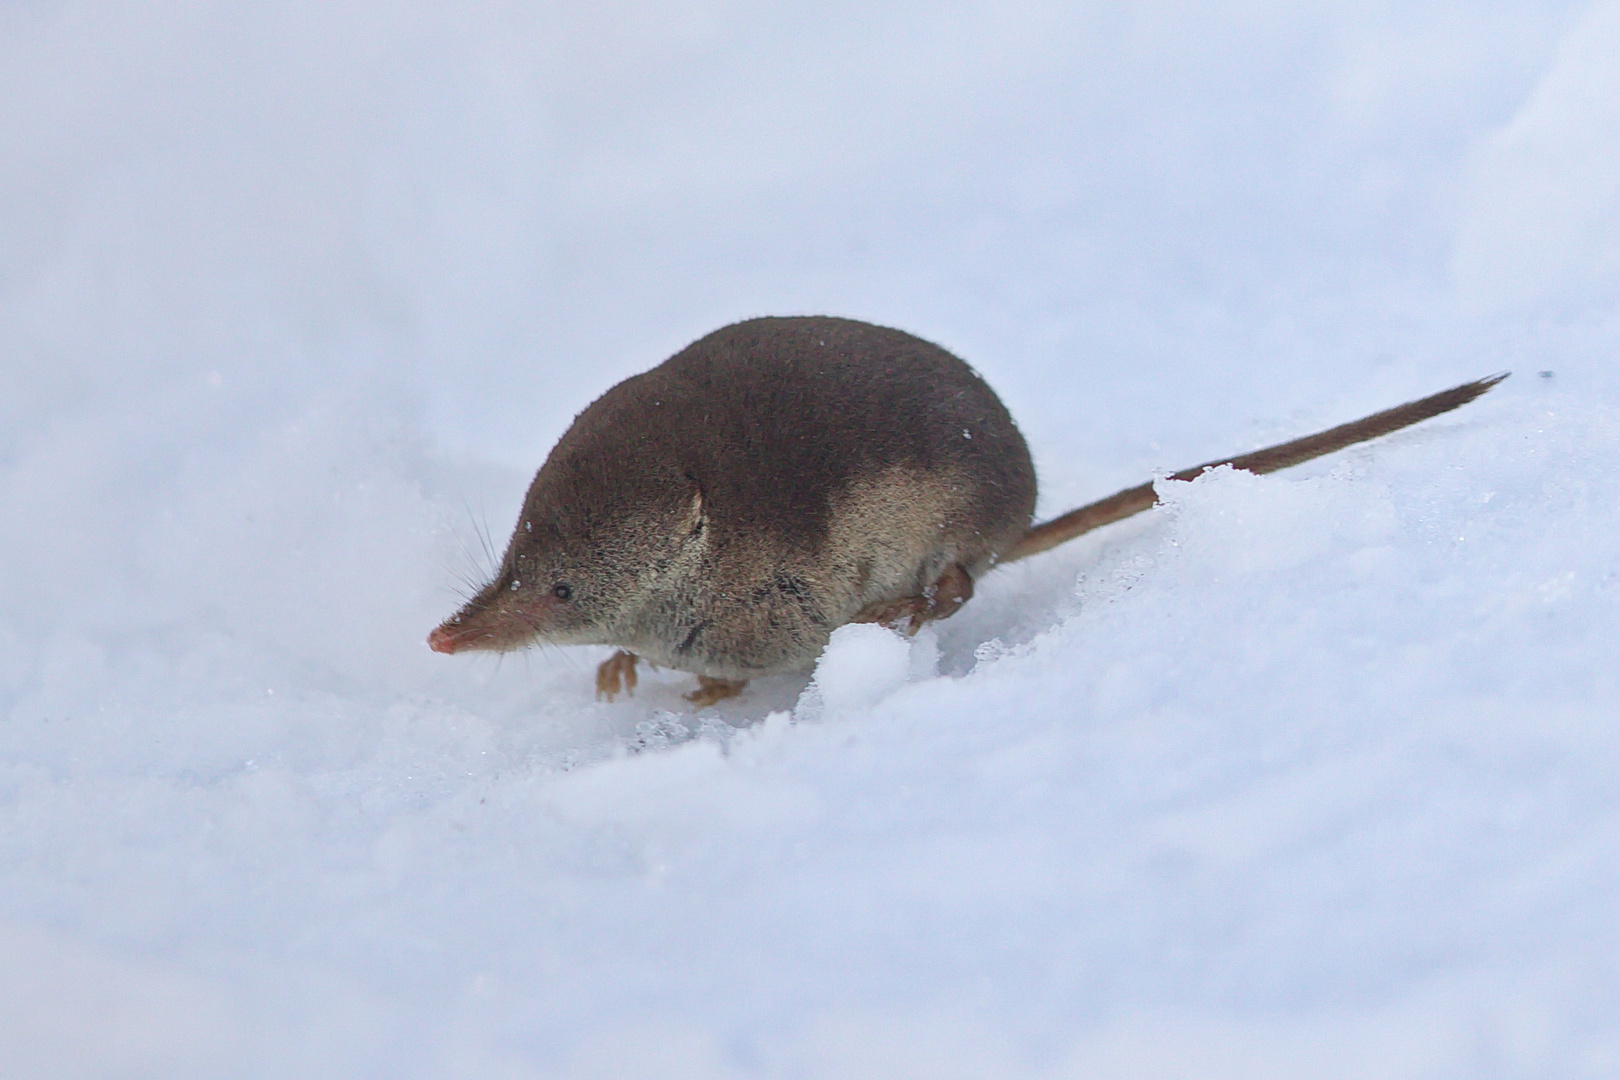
point(616, 673)
point(710, 690)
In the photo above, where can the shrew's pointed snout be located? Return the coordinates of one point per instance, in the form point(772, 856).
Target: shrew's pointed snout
point(458, 633)
point(442, 640)
point(483, 626)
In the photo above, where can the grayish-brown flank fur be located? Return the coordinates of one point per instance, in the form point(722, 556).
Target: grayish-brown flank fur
point(724, 512)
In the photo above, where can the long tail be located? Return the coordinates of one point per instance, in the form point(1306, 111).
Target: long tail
point(1050, 534)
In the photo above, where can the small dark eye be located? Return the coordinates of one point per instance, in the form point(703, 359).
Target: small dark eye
point(561, 591)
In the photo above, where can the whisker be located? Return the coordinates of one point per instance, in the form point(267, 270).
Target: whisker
point(488, 563)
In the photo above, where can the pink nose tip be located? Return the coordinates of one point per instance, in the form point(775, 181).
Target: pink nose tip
point(441, 640)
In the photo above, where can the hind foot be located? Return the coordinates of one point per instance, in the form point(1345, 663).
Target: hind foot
point(616, 673)
point(710, 690)
point(940, 600)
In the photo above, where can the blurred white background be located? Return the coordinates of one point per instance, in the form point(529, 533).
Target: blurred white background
point(294, 297)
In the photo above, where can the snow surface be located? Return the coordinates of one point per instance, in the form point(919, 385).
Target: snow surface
point(1310, 775)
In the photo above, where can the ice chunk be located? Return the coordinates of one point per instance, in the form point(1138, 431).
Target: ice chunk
point(863, 664)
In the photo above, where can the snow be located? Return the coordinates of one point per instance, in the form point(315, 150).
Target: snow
point(1309, 775)
point(865, 663)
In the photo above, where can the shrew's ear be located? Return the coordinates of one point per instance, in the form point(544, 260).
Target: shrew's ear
point(694, 521)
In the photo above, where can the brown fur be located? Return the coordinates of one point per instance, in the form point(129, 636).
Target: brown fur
point(724, 512)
